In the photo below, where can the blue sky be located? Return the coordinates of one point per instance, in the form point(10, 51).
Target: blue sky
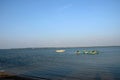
point(59, 23)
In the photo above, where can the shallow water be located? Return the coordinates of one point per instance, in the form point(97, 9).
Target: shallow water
point(46, 63)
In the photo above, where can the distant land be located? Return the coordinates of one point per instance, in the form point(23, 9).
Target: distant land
point(60, 47)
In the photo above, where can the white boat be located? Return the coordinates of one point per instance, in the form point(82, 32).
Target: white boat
point(60, 51)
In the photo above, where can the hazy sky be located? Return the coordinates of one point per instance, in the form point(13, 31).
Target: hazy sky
point(57, 23)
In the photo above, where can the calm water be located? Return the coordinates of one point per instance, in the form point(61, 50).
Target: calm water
point(46, 63)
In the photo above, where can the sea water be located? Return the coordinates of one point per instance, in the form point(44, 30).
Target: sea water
point(45, 63)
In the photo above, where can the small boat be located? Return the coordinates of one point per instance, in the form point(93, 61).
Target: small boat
point(60, 51)
point(77, 52)
point(85, 51)
point(94, 52)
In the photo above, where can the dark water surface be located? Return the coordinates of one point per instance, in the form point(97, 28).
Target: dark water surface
point(46, 63)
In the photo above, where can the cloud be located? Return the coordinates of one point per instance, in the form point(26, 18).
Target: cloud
point(65, 7)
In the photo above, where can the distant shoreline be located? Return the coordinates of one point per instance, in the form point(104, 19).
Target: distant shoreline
point(57, 47)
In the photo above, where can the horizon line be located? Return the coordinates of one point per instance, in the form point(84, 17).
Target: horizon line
point(60, 47)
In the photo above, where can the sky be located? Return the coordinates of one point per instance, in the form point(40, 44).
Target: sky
point(59, 23)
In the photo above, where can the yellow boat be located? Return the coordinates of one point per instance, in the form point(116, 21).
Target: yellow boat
point(60, 51)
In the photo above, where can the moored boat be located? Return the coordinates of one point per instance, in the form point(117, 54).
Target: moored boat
point(77, 52)
point(60, 51)
point(93, 52)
